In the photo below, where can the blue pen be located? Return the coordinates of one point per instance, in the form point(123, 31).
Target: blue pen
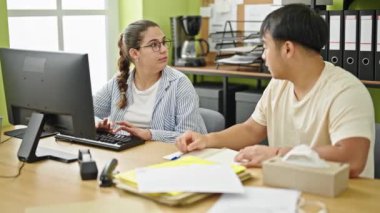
point(175, 157)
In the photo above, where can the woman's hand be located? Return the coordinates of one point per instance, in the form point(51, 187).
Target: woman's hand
point(253, 156)
point(104, 125)
point(144, 134)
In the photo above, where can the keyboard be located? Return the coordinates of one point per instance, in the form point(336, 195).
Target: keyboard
point(116, 142)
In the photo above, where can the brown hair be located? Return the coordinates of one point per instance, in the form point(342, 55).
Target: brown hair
point(130, 38)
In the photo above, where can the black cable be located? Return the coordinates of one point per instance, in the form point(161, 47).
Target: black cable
point(5, 140)
point(10, 137)
point(16, 175)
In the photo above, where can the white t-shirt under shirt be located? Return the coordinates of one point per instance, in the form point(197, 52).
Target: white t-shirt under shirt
point(139, 113)
point(337, 107)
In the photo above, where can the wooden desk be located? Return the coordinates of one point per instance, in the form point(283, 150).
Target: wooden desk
point(51, 182)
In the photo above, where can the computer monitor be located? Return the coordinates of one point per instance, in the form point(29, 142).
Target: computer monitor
point(50, 91)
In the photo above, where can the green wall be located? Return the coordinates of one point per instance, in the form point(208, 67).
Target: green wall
point(365, 4)
point(4, 42)
point(158, 11)
point(356, 5)
point(129, 11)
point(161, 11)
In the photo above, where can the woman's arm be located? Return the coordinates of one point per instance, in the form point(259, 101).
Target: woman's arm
point(186, 113)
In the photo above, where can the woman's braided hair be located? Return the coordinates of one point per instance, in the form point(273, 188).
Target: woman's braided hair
point(130, 38)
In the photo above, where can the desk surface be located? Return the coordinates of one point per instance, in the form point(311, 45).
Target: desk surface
point(50, 182)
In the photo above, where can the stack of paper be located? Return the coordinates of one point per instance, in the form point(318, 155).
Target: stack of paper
point(258, 199)
point(244, 49)
point(239, 59)
point(189, 178)
point(183, 181)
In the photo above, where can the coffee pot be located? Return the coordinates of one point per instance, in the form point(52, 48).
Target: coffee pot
point(194, 48)
point(187, 49)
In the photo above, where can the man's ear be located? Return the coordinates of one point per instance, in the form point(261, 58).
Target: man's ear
point(288, 49)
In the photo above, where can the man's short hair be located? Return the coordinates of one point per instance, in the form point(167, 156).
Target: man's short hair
point(297, 23)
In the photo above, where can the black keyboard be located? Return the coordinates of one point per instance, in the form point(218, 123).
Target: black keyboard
point(115, 142)
point(113, 138)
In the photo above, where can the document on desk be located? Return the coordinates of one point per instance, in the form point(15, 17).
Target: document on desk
point(244, 49)
point(223, 155)
point(239, 59)
point(258, 200)
point(189, 178)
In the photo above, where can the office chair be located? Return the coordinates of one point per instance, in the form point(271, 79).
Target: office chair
point(377, 152)
point(214, 121)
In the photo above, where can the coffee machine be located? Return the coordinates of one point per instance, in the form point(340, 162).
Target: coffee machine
point(187, 50)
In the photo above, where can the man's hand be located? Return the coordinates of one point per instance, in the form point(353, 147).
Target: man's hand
point(144, 134)
point(190, 141)
point(253, 156)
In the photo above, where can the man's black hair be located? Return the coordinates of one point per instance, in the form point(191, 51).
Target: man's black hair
point(297, 23)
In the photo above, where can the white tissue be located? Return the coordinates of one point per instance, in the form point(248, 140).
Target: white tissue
point(303, 155)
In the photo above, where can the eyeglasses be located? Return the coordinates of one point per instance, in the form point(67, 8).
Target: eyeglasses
point(156, 45)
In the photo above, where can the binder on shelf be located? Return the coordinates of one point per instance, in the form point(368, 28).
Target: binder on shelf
point(366, 45)
point(351, 44)
point(324, 51)
point(377, 51)
point(336, 38)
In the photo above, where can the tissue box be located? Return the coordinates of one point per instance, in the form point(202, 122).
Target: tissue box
point(329, 181)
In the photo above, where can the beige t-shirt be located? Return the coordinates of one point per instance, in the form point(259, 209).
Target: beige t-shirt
point(337, 107)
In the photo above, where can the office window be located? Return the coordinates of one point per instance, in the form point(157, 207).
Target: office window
point(68, 25)
point(83, 4)
point(25, 32)
point(30, 5)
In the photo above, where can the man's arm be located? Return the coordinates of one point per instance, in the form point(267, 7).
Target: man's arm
point(351, 150)
point(235, 137)
point(238, 136)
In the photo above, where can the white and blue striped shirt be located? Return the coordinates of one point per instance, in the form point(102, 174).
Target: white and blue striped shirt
point(175, 110)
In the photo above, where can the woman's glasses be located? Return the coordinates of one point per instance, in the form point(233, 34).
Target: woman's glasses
point(156, 45)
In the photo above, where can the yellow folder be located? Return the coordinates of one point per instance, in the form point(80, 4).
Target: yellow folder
point(127, 181)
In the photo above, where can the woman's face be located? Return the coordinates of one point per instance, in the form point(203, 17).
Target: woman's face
point(153, 54)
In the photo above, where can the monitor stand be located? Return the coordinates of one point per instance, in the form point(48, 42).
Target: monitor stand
point(29, 150)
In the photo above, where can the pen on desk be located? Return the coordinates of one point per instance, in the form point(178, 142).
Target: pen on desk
point(175, 157)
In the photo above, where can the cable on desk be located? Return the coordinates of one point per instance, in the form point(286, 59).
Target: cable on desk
point(1, 142)
point(16, 175)
point(10, 137)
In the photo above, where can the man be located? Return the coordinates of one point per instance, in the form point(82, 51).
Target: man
point(308, 101)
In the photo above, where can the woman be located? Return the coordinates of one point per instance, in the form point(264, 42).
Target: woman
point(153, 101)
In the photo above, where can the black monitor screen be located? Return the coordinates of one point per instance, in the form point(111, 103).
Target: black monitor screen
point(55, 84)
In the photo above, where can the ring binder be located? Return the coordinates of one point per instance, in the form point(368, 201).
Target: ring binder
point(336, 37)
point(350, 48)
point(377, 41)
point(366, 47)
